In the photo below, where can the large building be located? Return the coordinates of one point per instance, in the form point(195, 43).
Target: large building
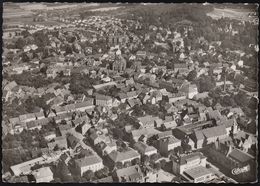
point(43, 174)
point(119, 65)
point(234, 162)
point(192, 167)
point(86, 163)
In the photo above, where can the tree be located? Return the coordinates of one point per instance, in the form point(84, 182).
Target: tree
point(89, 175)
point(154, 157)
point(163, 163)
point(136, 161)
point(127, 164)
point(20, 43)
point(25, 33)
point(105, 171)
point(157, 166)
point(119, 165)
point(192, 75)
point(178, 150)
point(99, 174)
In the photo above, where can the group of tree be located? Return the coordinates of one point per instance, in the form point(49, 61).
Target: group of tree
point(17, 148)
point(206, 83)
point(80, 83)
point(30, 79)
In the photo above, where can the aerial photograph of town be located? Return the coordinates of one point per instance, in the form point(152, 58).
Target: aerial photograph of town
point(129, 92)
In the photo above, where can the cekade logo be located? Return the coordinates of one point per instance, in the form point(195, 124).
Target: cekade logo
point(237, 171)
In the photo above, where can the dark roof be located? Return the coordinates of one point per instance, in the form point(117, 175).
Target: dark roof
point(240, 156)
point(72, 141)
point(186, 158)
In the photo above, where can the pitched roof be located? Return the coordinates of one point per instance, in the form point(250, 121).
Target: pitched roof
point(42, 173)
point(214, 114)
point(214, 131)
point(88, 160)
point(121, 156)
point(187, 158)
point(145, 131)
point(143, 147)
point(164, 134)
point(240, 156)
point(198, 172)
point(130, 173)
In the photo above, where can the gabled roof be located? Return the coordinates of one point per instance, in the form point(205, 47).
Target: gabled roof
point(143, 147)
point(240, 156)
point(72, 141)
point(88, 161)
point(164, 134)
point(214, 131)
point(214, 114)
point(116, 156)
point(145, 131)
point(130, 173)
point(195, 155)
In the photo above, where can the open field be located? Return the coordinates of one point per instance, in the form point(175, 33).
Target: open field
point(239, 14)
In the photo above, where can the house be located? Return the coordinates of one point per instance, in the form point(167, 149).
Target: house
point(169, 108)
point(106, 147)
point(236, 111)
point(32, 125)
point(103, 100)
point(230, 125)
point(84, 127)
point(59, 110)
point(50, 135)
point(214, 114)
point(27, 117)
point(231, 158)
point(129, 174)
point(72, 141)
point(169, 123)
point(208, 135)
point(189, 89)
point(172, 98)
point(198, 174)
point(167, 144)
point(43, 174)
point(10, 86)
point(187, 162)
point(122, 97)
point(141, 54)
point(39, 115)
point(60, 142)
point(202, 96)
point(96, 138)
point(83, 106)
point(123, 157)
point(64, 116)
point(91, 162)
point(181, 67)
point(20, 179)
point(131, 95)
point(147, 121)
point(144, 149)
point(133, 102)
point(143, 133)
